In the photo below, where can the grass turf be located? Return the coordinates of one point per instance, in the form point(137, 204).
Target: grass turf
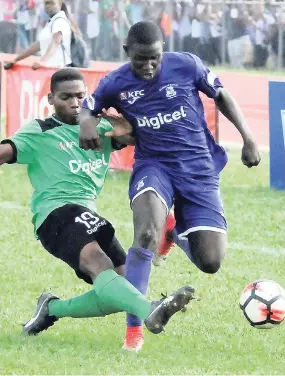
point(211, 338)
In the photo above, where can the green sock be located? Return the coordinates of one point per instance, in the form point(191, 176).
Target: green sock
point(116, 294)
point(112, 293)
point(85, 305)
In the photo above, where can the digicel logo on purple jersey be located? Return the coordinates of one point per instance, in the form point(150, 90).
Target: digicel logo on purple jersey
point(157, 121)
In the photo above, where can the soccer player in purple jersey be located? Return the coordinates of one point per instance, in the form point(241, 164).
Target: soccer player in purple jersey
point(176, 158)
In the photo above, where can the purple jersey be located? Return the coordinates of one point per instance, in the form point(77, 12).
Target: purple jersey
point(166, 113)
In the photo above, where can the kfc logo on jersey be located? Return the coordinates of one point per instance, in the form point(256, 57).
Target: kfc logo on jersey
point(90, 102)
point(170, 91)
point(131, 96)
point(211, 77)
point(123, 96)
point(66, 145)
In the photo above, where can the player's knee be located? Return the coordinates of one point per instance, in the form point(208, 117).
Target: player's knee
point(211, 262)
point(148, 238)
point(208, 249)
point(210, 266)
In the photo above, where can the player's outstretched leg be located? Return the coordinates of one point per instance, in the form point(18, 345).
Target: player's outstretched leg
point(155, 314)
point(164, 309)
point(111, 293)
point(41, 319)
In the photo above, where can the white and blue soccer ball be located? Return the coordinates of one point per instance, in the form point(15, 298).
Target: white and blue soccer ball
point(263, 304)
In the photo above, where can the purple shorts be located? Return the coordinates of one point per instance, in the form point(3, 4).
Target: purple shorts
point(197, 201)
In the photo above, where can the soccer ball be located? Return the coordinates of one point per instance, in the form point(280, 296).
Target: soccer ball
point(263, 304)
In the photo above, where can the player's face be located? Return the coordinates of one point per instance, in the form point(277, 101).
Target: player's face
point(146, 59)
point(52, 7)
point(67, 100)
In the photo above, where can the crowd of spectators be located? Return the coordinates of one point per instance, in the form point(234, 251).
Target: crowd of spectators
point(242, 35)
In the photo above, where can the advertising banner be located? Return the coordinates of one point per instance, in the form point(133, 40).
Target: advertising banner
point(26, 99)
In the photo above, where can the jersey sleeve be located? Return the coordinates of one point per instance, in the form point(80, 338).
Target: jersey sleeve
point(100, 99)
point(206, 80)
point(25, 143)
point(103, 127)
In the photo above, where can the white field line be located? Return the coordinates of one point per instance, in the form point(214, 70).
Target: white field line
point(238, 146)
point(12, 205)
point(276, 252)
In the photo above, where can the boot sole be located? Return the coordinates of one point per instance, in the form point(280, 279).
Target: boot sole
point(178, 301)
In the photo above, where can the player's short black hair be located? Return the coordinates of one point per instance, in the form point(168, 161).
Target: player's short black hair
point(144, 32)
point(65, 74)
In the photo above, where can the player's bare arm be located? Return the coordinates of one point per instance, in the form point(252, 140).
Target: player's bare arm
point(123, 130)
point(89, 138)
point(231, 110)
point(6, 153)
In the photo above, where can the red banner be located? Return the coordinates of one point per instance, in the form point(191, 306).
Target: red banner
point(7, 7)
point(26, 99)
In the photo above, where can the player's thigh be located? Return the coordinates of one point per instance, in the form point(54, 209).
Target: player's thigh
point(151, 195)
point(69, 229)
point(205, 230)
point(93, 261)
point(199, 211)
point(208, 249)
point(199, 205)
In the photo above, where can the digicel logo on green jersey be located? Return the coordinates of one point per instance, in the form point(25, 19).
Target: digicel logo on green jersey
point(87, 167)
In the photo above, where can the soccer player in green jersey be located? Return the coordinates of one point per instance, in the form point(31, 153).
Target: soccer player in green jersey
point(66, 181)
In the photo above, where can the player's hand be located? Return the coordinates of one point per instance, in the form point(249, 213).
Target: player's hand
point(8, 65)
point(36, 65)
point(250, 154)
point(121, 125)
point(89, 137)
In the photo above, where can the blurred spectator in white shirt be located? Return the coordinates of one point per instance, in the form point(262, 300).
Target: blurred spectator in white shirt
point(93, 27)
point(54, 39)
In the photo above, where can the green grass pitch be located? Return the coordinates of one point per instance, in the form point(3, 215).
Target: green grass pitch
point(211, 338)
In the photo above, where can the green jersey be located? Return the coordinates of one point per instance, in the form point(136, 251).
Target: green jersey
point(59, 170)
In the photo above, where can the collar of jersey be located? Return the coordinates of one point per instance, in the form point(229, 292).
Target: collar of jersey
point(62, 123)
